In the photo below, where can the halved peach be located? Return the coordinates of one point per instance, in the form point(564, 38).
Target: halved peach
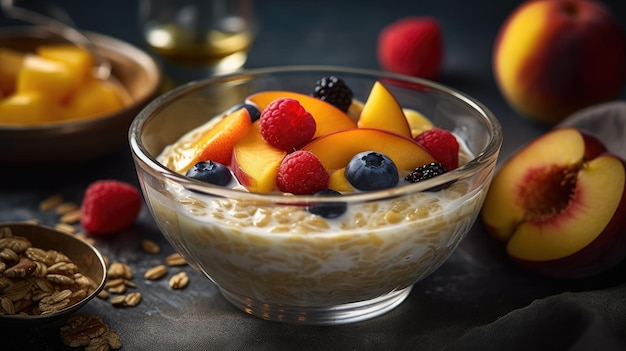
point(336, 149)
point(382, 111)
point(560, 204)
point(217, 143)
point(255, 162)
point(328, 118)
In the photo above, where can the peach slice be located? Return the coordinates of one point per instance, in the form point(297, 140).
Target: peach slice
point(417, 122)
point(328, 118)
point(560, 204)
point(382, 111)
point(52, 78)
point(336, 149)
point(77, 59)
point(29, 109)
point(10, 65)
point(217, 143)
point(95, 98)
point(255, 162)
point(339, 182)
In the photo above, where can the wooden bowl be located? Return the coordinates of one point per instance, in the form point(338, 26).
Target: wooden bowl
point(89, 261)
point(80, 140)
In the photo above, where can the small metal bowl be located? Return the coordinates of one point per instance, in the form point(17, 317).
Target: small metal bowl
point(89, 261)
point(77, 141)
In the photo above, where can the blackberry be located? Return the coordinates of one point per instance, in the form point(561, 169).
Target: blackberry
point(328, 209)
point(370, 170)
point(428, 171)
point(334, 91)
point(210, 172)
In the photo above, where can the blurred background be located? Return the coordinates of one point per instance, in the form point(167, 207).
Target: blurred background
point(344, 33)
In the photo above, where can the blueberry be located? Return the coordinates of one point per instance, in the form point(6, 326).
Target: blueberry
point(328, 209)
point(253, 111)
point(371, 170)
point(210, 172)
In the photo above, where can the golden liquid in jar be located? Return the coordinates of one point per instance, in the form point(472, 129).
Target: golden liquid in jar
point(199, 48)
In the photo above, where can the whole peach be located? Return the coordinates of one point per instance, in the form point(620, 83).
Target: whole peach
point(554, 57)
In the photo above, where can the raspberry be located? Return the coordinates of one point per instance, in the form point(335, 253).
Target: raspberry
point(286, 125)
point(301, 173)
point(412, 46)
point(109, 206)
point(442, 145)
point(334, 91)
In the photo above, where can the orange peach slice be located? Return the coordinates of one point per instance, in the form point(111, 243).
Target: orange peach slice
point(255, 162)
point(217, 143)
point(336, 149)
point(382, 111)
point(328, 118)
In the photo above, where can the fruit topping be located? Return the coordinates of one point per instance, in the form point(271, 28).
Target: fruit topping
point(109, 206)
point(382, 111)
point(442, 145)
point(255, 162)
point(210, 172)
point(286, 125)
point(217, 143)
point(339, 182)
point(301, 173)
point(335, 150)
point(328, 209)
point(413, 46)
point(418, 123)
point(428, 171)
point(334, 91)
point(371, 170)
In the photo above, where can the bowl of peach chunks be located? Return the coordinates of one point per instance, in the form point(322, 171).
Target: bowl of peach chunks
point(54, 109)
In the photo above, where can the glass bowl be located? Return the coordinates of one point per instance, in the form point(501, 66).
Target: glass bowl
point(273, 259)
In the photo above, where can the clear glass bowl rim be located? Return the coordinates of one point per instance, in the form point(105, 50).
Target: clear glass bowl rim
point(487, 156)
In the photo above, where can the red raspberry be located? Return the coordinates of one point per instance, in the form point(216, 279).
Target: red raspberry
point(442, 145)
point(109, 206)
point(302, 173)
point(412, 46)
point(286, 124)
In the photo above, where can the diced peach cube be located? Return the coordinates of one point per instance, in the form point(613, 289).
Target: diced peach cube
point(51, 78)
point(96, 98)
point(10, 65)
point(28, 109)
point(77, 59)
